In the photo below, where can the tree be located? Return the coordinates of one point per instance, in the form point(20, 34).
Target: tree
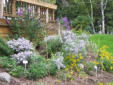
point(103, 7)
point(92, 19)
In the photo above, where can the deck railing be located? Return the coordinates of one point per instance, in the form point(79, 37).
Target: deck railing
point(41, 8)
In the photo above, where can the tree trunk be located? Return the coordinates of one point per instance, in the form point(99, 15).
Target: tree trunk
point(92, 16)
point(1, 9)
point(103, 16)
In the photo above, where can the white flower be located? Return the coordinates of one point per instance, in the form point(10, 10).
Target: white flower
point(95, 67)
point(21, 44)
point(59, 63)
point(81, 66)
point(73, 43)
point(58, 59)
point(25, 62)
point(51, 37)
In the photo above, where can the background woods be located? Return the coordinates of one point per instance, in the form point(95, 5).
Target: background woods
point(99, 13)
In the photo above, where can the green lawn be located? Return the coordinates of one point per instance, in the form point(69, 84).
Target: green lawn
point(102, 39)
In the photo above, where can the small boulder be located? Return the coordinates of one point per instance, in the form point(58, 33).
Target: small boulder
point(5, 77)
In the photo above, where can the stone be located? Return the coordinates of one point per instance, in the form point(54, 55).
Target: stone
point(5, 77)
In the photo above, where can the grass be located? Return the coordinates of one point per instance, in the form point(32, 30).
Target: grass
point(102, 39)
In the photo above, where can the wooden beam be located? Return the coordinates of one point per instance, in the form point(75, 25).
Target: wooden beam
point(13, 7)
point(47, 15)
point(1, 9)
point(39, 3)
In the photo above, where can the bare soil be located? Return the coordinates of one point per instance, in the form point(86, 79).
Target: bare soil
point(87, 80)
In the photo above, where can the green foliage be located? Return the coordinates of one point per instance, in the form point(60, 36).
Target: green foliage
point(16, 27)
point(53, 44)
point(27, 26)
point(31, 27)
point(79, 32)
point(11, 66)
point(89, 66)
point(5, 50)
point(81, 22)
point(76, 8)
point(37, 68)
point(52, 67)
point(102, 40)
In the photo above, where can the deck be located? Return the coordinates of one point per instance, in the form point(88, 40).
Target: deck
point(43, 9)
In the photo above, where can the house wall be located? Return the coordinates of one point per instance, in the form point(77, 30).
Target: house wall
point(4, 29)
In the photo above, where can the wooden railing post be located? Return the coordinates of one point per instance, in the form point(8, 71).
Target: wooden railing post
point(1, 9)
point(39, 11)
point(53, 15)
point(14, 7)
point(47, 15)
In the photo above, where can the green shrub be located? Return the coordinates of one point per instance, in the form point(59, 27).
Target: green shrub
point(81, 22)
point(53, 44)
point(37, 68)
point(17, 70)
point(12, 66)
point(89, 66)
point(52, 67)
point(5, 50)
point(27, 26)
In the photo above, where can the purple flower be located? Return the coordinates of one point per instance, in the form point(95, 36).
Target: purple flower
point(65, 19)
point(57, 19)
point(7, 21)
point(66, 23)
point(31, 17)
point(20, 12)
point(21, 56)
point(30, 10)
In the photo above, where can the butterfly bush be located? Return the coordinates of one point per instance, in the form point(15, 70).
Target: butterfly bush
point(73, 43)
point(23, 49)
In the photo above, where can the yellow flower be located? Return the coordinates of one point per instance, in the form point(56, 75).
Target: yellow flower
point(58, 81)
point(111, 67)
point(78, 59)
point(71, 73)
point(81, 57)
point(95, 62)
point(112, 62)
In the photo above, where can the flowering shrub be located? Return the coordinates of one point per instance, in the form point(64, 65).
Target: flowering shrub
point(26, 55)
point(21, 44)
point(105, 60)
point(73, 43)
point(73, 63)
point(23, 49)
point(65, 22)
